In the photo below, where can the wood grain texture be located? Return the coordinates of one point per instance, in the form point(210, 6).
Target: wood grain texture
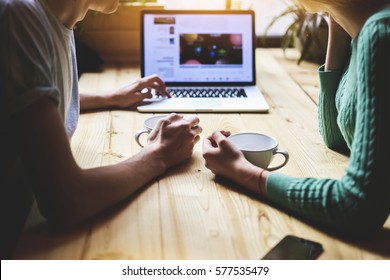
point(188, 213)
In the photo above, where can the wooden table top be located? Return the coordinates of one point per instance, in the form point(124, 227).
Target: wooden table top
point(186, 214)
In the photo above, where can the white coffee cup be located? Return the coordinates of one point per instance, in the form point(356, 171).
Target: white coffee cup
point(149, 124)
point(259, 149)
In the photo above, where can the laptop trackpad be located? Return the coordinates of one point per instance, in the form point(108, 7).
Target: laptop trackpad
point(202, 104)
point(181, 105)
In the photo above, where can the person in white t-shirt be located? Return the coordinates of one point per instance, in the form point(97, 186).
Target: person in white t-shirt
point(40, 105)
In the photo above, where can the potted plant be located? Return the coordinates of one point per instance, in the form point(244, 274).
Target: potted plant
point(308, 32)
point(115, 37)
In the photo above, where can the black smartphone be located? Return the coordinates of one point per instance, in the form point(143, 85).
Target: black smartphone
point(294, 248)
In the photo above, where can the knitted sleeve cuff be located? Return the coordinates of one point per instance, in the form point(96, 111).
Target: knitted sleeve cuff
point(330, 79)
point(277, 186)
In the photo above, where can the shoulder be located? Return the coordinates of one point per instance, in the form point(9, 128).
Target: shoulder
point(24, 21)
point(21, 11)
point(18, 6)
point(380, 16)
point(377, 23)
point(375, 35)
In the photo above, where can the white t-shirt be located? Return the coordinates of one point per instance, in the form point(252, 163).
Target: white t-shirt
point(38, 54)
point(37, 59)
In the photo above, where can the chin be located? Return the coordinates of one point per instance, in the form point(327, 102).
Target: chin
point(112, 8)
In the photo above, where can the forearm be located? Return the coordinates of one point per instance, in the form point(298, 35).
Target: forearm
point(124, 97)
point(66, 193)
point(90, 101)
point(338, 47)
point(99, 188)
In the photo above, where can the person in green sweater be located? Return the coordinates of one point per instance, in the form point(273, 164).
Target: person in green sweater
point(353, 114)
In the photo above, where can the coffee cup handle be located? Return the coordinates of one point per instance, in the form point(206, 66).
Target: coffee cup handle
point(286, 157)
point(138, 135)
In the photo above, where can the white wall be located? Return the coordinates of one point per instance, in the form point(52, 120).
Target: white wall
point(265, 10)
point(195, 4)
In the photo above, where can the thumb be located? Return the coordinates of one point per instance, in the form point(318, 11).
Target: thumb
point(217, 137)
point(143, 94)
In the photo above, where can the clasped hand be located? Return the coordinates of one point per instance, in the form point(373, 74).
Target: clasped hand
point(174, 138)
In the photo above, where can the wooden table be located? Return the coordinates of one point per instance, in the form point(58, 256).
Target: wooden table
point(187, 214)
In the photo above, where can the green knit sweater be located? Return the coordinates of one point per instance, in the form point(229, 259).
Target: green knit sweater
point(353, 113)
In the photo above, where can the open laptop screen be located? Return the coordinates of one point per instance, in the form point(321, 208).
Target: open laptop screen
point(189, 47)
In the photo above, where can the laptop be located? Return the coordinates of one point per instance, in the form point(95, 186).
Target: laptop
point(206, 59)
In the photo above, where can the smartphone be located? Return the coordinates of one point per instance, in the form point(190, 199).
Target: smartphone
point(294, 248)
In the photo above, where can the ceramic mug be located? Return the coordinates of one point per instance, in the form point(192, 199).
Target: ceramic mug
point(259, 149)
point(149, 124)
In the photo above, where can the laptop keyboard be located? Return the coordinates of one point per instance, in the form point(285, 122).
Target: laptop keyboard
point(207, 92)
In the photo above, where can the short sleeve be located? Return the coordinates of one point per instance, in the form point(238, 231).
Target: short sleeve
point(26, 54)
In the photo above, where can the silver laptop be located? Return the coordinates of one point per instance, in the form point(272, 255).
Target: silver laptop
point(206, 58)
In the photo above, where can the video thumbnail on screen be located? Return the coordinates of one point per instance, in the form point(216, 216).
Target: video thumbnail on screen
point(209, 49)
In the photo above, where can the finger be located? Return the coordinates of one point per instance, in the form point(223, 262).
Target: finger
point(210, 142)
point(149, 80)
point(197, 129)
point(158, 84)
point(153, 81)
point(173, 117)
point(157, 79)
point(166, 93)
point(193, 121)
point(165, 121)
point(197, 139)
point(226, 133)
point(207, 145)
point(217, 136)
point(161, 90)
point(145, 93)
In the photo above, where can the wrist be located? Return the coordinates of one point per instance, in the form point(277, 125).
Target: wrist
point(157, 161)
point(262, 182)
point(248, 176)
point(112, 100)
point(99, 100)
